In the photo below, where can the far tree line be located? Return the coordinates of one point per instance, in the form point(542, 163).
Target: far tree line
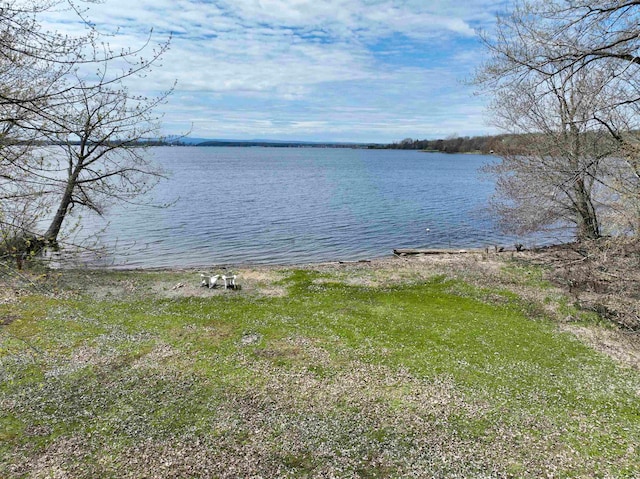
point(460, 144)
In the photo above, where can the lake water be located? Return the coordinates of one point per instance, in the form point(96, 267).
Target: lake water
point(294, 205)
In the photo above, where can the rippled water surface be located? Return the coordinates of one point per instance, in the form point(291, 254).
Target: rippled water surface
point(293, 205)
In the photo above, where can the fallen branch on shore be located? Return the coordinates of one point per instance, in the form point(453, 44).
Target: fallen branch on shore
point(410, 252)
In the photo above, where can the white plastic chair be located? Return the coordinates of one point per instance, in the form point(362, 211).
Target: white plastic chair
point(229, 281)
point(210, 280)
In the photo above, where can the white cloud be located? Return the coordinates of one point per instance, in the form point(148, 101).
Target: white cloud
point(365, 68)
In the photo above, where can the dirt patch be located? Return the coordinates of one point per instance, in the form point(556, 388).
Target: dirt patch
point(273, 291)
point(216, 333)
point(264, 275)
point(7, 320)
point(279, 353)
point(250, 338)
point(622, 346)
point(252, 281)
point(187, 288)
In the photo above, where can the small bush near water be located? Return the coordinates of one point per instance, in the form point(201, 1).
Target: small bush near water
point(316, 372)
point(19, 247)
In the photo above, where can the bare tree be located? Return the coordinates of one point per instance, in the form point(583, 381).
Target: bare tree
point(70, 135)
point(100, 155)
point(572, 32)
point(39, 64)
point(553, 174)
point(564, 72)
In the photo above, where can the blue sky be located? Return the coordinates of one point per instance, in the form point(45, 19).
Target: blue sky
point(317, 70)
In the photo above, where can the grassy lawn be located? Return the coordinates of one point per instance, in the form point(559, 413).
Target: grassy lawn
point(304, 373)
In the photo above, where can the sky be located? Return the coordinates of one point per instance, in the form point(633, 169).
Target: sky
point(310, 70)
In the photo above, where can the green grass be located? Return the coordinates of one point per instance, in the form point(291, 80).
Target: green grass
point(428, 379)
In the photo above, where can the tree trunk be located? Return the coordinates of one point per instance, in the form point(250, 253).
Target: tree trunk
point(53, 231)
point(587, 219)
point(51, 236)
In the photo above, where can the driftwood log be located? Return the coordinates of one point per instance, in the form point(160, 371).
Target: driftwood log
point(410, 252)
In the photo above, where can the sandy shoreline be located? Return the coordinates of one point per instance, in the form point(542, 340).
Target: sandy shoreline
point(379, 260)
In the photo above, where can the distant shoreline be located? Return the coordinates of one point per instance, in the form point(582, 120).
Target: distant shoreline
point(476, 144)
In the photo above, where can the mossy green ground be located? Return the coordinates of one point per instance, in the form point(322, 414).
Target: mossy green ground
point(413, 378)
